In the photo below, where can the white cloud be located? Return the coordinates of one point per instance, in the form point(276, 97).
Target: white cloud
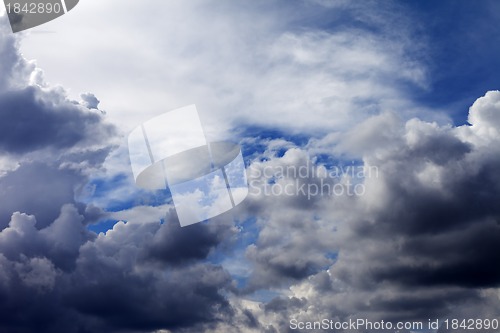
point(264, 65)
point(256, 67)
point(485, 120)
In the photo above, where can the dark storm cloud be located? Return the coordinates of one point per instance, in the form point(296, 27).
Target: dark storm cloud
point(106, 288)
point(121, 301)
point(55, 275)
point(34, 115)
point(182, 298)
point(32, 120)
point(442, 213)
point(71, 281)
point(49, 142)
point(423, 242)
point(58, 242)
point(38, 189)
point(64, 138)
point(175, 245)
point(464, 259)
point(420, 244)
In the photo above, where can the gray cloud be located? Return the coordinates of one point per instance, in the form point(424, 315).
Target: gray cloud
point(174, 245)
point(423, 240)
point(122, 293)
point(49, 143)
point(37, 189)
point(420, 243)
point(45, 119)
point(107, 287)
point(90, 101)
point(55, 275)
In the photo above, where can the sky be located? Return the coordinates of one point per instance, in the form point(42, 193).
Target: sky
point(370, 133)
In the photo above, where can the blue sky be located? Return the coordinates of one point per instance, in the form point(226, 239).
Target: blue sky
point(462, 52)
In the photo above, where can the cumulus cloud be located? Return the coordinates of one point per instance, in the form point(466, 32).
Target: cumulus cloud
point(422, 240)
point(56, 275)
point(104, 283)
point(419, 243)
point(111, 282)
point(45, 119)
point(48, 143)
point(90, 101)
point(43, 115)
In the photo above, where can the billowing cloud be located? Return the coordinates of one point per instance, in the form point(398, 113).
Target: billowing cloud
point(95, 283)
point(48, 143)
point(420, 243)
point(57, 276)
point(46, 119)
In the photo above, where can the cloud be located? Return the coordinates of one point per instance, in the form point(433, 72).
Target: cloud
point(107, 286)
point(182, 297)
point(301, 67)
point(174, 245)
point(484, 119)
point(90, 101)
point(49, 189)
point(46, 119)
point(48, 143)
point(419, 243)
point(56, 275)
